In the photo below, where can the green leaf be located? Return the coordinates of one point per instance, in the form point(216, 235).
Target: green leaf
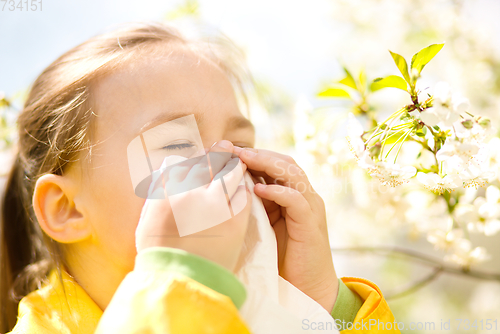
point(334, 92)
point(393, 81)
point(348, 80)
point(421, 58)
point(402, 65)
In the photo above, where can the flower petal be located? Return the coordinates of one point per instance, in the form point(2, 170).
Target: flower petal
point(429, 118)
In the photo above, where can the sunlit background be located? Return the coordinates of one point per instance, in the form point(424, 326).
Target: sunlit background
point(295, 49)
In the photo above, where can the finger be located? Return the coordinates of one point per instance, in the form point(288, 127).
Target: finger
point(273, 210)
point(274, 216)
point(305, 188)
point(222, 146)
point(219, 155)
point(155, 224)
point(237, 150)
point(264, 176)
point(144, 209)
point(269, 180)
point(297, 207)
point(180, 177)
point(177, 166)
point(241, 199)
point(177, 172)
point(283, 171)
point(274, 165)
point(232, 175)
point(198, 171)
point(198, 176)
point(270, 206)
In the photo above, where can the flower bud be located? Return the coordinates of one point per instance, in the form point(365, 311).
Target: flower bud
point(484, 122)
point(468, 124)
point(427, 103)
point(375, 149)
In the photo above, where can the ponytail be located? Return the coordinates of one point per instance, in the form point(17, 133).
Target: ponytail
point(20, 247)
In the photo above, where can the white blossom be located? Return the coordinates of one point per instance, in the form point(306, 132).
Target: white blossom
point(439, 115)
point(492, 155)
point(444, 98)
point(427, 211)
point(446, 240)
point(483, 215)
point(453, 148)
point(366, 162)
point(446, 108)
point(474, 176)
point(475, 135)
point(465, 255)
point(392, 174)
point(438, 184)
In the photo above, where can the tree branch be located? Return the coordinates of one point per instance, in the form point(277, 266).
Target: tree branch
point(417, 285)
point(437, 264)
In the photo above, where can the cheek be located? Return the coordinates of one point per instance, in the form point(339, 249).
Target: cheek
point(115, 213)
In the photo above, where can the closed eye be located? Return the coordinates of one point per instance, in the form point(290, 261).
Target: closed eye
point(180, 146)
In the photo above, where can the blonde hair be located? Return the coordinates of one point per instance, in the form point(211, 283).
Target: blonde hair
point(55, 129)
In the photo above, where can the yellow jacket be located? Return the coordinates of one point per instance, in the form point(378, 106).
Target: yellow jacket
point(173, 291)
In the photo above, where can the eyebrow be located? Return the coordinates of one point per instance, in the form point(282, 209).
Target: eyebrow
point(235, 122)
point(240, 122)
point(167, 117)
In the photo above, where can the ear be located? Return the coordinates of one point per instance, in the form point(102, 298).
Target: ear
point(56, 211)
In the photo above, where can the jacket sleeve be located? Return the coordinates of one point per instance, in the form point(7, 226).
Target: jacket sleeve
point(173, 291)
point(361, 308)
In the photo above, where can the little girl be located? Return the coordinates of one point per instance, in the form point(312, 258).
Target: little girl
point(70, 243)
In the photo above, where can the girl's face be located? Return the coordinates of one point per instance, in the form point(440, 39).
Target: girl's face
point(128, 102)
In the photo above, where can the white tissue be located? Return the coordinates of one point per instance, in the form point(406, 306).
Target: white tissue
point(273, 305)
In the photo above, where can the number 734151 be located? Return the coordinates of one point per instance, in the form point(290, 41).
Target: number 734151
point(21, 5)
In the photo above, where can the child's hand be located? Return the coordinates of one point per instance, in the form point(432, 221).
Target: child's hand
point(200, 207)
point(297, 214)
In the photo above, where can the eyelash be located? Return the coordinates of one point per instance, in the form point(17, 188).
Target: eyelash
point(177, 146)
point(188, 145)
point(242, 145)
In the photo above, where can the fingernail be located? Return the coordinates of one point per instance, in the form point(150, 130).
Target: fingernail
point(237, 149)
point(225, 144)
point(248, 153)
point(260, 186)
